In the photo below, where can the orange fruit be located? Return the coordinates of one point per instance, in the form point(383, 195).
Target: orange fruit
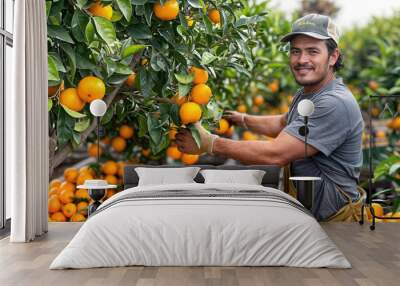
point(69, 209)
point(58, 217)
point(54, 205)
point(392, 215)
point(174, 153)
point(373, 85)
point(190, 112)
point(172, 133)
point(82, 194)
point(52, 90)
point(230, 132)
point(284, 108)
point(168, 11)
point(242, 108)
point(87, 170)
point(118, 144)
point(98, 9)
point(380, 134)
point(71, 174)
point(378, 210)
point(274, 86)
point(110, 193)
point(258, 100)
point(200, 75)
point(91, 88)
point(111, 179)
point(77, 218)
point(248, 135)
point(66, 196)
point(109, 168)
point(92, 150)
point(146, 152)
point(201, 93)
point(214, 16)
point(130, 81)
point(70, 99)
point(223, 126)
point(126, 131)
point(106, 140)
point(67, 186)
point(189, 159)
point(179, 99)
point(81, 208)
point(121, 166)
point(394, 123)
point(54, 192)
point(54, 183)
point(83, 177)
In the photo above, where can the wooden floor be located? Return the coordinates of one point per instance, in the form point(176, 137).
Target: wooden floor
point(374, 255)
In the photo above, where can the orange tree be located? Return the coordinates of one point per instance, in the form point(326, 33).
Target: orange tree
point(266, 86)
point(156, 64)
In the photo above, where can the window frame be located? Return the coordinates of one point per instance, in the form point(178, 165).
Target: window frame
point(6, 39)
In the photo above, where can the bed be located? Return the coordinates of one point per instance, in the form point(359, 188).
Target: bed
point(198, 224)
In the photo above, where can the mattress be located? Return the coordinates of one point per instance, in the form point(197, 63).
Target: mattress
point(201, 225)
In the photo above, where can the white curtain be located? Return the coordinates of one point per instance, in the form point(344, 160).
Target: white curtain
point(27, 124)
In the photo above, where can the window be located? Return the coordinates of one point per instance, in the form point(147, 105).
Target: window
point(6, 63)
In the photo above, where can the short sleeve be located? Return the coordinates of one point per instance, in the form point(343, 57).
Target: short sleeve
point(328, 125)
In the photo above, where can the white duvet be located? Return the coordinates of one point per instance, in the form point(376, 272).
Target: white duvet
point(188, 231)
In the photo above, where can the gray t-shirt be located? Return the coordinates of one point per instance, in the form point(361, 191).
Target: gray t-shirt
point(335, 129)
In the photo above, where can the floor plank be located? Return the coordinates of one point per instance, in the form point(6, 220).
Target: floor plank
point(374, 255)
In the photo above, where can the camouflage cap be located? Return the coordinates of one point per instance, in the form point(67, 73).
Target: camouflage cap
point(316, 26)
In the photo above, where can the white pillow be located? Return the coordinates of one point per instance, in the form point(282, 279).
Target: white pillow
point(162, 176)
point(248, 177)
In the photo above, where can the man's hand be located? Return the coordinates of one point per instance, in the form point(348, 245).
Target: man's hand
point(187, 144)
point(236, 118)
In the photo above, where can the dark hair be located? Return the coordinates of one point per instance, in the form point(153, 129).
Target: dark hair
point(331, 45)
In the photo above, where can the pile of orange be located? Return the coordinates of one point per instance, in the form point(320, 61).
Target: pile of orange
point(67, 203)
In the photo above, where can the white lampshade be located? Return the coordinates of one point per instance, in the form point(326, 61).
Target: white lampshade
point(98, 107)
point(305, 107)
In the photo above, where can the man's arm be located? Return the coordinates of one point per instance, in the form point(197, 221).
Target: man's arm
point(270, 125)
point(282, 150)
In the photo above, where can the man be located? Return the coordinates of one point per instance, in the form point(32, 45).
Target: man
point(335, 128)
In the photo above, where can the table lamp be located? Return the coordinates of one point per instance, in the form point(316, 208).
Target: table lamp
point(305, 185)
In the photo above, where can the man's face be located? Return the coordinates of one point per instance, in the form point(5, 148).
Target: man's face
point(309, 60)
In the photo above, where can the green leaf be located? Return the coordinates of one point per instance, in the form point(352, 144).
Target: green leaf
point(52, 72)
point(142, 126)
point(105, 29)
point(174, 113)
point(49, 104)
point(117, 79)
point(82, 125)
point(139, 2)
point(65, 126)
point(78, 25)
point(107, 117)
point(48, 7)
point(184, 89)
point(116, 16)
point(184, 78)
point(207, 58)
point(57, 59)
point(196, 3)
point(73, 113)
point(84, 63)
point(195, 134)
point(126, 8)
point(59, 33)
point(123, 69)
point(394, 168)
point(89, 32)
point(132, 50)
point(71, 59)
point(145, 82)
point(154, 129)
point(140, 32)
point(76, 137)
point(81, 3)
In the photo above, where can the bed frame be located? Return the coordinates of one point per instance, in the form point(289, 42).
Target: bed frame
point(270, 179)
